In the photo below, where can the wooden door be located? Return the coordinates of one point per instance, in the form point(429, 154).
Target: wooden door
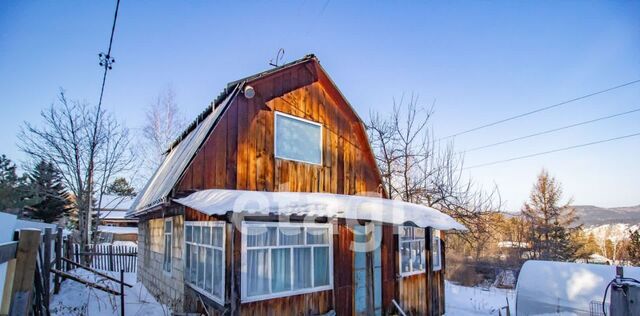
point(367, 269)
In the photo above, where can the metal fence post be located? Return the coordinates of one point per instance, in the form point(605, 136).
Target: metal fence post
point(121, 292)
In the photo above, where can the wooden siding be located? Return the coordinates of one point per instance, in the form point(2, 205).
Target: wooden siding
point(239, 153)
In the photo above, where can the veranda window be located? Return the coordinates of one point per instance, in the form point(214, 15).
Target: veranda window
point(436, 248)
point(284, 259)
point(412, 255)
point(168, 244)
point(204, 258)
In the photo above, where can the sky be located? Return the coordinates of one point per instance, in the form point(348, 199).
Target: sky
point(477, 61)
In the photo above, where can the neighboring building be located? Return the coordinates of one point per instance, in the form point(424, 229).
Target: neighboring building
point(265, 203)
point(114, 226)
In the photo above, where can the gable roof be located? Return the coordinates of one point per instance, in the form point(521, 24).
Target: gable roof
point(182, 151)
point(184, 148)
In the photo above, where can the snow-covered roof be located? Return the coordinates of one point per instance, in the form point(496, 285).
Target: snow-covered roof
point(115, 202)
point(24, 224)
point(118, 230)
point(176, 161)
point(546, 287)
point(113, 215)
point(219, 202)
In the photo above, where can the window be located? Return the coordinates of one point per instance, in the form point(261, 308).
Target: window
point(284, 259)
point(297, 139)
point(412, 255)
point(204, 258)
point(436, 250)
point(168, 244)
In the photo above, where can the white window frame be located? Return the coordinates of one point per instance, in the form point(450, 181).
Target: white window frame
point(245, 225)
point(187, 281)
point(275, 137)
point(414, 240)
point(436, 266)
point(170, 247)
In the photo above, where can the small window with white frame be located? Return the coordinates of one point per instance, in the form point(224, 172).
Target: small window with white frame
point(436, 251)
point(297, 139)
point(168, 245)
point(412, 250)
point(204, 258)
point(285, 259)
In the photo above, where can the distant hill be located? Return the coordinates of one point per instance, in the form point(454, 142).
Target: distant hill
point(593, 215)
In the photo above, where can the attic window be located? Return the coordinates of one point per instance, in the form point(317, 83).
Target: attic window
point(297, 139)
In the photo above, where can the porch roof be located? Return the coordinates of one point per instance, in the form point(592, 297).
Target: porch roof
point(219, 202)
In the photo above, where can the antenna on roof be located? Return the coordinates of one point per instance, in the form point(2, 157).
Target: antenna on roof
point(279, 57)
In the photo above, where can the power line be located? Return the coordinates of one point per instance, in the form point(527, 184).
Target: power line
point(540, 109)
point(552, 130)
point(553, 151)
point(106, 60)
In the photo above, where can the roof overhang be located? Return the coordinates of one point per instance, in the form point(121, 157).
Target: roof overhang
point(220, 202)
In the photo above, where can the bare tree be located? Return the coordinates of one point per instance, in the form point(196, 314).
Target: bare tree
point(163, 124)
point(418, 169)
point(87, 145)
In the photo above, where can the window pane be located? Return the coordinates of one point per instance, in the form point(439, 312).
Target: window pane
point(257, 272)
point(196, 234)
point(298, 140)
point(417, 249)
point(317, 236)
point(291, 236)
point(187, 233)
point(280, 270)
point(436, 252)
point(261, 236)
point(217, 236)
point(321, 266)
point(301, 268)
point(406, 233)
point(405, 256)
point(419, 233)
point(187, 257)
point(209, 270)
point(167, 253)
point(218, 268)
point(167, 226)
point(201, 255)
point(206, 235)
point(194, 264)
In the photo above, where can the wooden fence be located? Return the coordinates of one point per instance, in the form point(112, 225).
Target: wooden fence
point(27, 283)
point(38, 260)
point(108, 257)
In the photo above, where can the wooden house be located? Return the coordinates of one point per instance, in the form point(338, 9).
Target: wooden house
point(271, 203)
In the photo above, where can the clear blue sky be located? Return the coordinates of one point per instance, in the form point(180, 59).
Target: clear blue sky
point(480, 60)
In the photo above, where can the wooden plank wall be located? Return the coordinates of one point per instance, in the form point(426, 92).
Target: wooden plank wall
point(239, 153)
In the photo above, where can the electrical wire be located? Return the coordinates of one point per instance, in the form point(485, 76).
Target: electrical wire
point(606, 290)
point(540, 109)
point(551, 130)
point(553, 151)
point(106, 65)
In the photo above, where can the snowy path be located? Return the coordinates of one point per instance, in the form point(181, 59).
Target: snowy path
point(77, 299)
point(474, 301)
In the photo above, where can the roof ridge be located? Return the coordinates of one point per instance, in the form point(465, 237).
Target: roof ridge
point(225, 92)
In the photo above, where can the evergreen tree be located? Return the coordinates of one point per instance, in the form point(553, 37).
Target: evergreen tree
point(51, 198)
point(13, 193)
point(551, 222)
point(121, 187)
point(633, 247)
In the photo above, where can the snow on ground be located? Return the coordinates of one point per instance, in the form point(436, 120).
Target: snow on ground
point(476, 301)
point(77, 299)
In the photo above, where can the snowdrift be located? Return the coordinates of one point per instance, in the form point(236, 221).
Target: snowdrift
point(546, 287)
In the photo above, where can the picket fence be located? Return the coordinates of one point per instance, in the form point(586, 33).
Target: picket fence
point(109, 257)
